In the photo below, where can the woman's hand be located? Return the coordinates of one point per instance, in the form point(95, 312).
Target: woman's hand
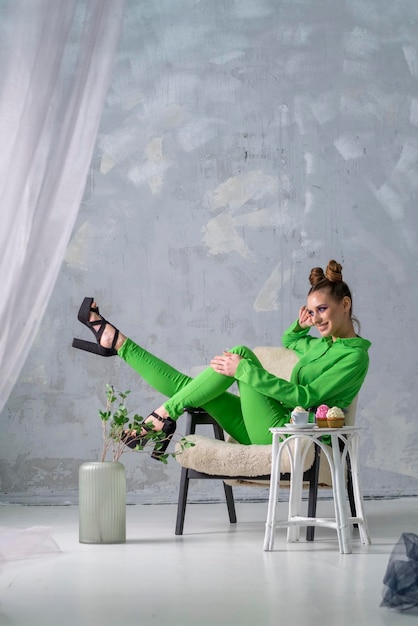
point(305, 319)
point(226, 364)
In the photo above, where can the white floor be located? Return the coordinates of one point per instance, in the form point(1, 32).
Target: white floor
point(215, 574)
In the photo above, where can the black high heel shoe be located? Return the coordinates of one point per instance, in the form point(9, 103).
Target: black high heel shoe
point(163, 436)
point(89, 346)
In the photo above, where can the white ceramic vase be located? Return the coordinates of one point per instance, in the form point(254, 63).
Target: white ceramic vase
point(102, 502)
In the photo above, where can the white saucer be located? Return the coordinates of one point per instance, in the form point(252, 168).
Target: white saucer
point(301, 426)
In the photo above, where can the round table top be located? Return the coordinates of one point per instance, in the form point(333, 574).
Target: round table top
point(311, 428)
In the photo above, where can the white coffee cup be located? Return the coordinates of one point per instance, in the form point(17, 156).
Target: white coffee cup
point(299, 418)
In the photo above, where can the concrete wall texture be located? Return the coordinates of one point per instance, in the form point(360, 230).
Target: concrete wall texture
point(242, 143)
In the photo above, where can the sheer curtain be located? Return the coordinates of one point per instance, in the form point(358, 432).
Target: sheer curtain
point(56, 63)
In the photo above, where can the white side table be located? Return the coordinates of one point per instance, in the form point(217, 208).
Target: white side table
point(350, 439)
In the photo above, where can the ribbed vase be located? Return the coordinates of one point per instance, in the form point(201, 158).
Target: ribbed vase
point(102, 502)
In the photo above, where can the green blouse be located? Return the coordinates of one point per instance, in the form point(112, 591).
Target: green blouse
point(328, 372)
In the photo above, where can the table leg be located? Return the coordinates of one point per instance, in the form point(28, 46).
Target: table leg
point(296, 484)
point(338, 474)
point(273, 494)
point(354, 445)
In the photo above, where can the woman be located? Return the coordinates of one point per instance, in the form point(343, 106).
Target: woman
point(330, 371)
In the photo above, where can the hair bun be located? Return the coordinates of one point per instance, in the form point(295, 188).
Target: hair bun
point(316, 275)
point(334, 272)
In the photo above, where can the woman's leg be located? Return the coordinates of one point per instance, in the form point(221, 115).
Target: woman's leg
point(257, 412)
point(157, 373)
point(260, 412)
point(247, 418)
point(225, 407)
point(207, 390)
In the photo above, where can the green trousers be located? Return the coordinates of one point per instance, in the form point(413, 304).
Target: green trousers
point(247, 417)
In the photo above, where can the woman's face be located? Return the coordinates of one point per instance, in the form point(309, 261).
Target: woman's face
point(331, 318)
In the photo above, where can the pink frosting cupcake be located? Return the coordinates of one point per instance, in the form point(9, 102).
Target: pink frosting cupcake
point(321, 416)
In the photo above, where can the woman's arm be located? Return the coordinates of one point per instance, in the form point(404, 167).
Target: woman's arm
point(332, 381)
point(296, 337)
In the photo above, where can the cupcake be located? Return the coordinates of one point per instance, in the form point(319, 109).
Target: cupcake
point(335, 417)
point(321, 416)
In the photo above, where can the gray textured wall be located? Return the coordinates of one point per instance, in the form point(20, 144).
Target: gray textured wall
point(243, 142)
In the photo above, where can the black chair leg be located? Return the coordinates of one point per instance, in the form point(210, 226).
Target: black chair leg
point(195, 417)
point(182, 501)
point(313, 493)
point(229, 496)
point(350, 491)
point(230, 503)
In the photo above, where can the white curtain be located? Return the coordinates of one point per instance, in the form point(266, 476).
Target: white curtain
point(56, 63)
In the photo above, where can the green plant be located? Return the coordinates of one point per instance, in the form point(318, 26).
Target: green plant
point(116, 421)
